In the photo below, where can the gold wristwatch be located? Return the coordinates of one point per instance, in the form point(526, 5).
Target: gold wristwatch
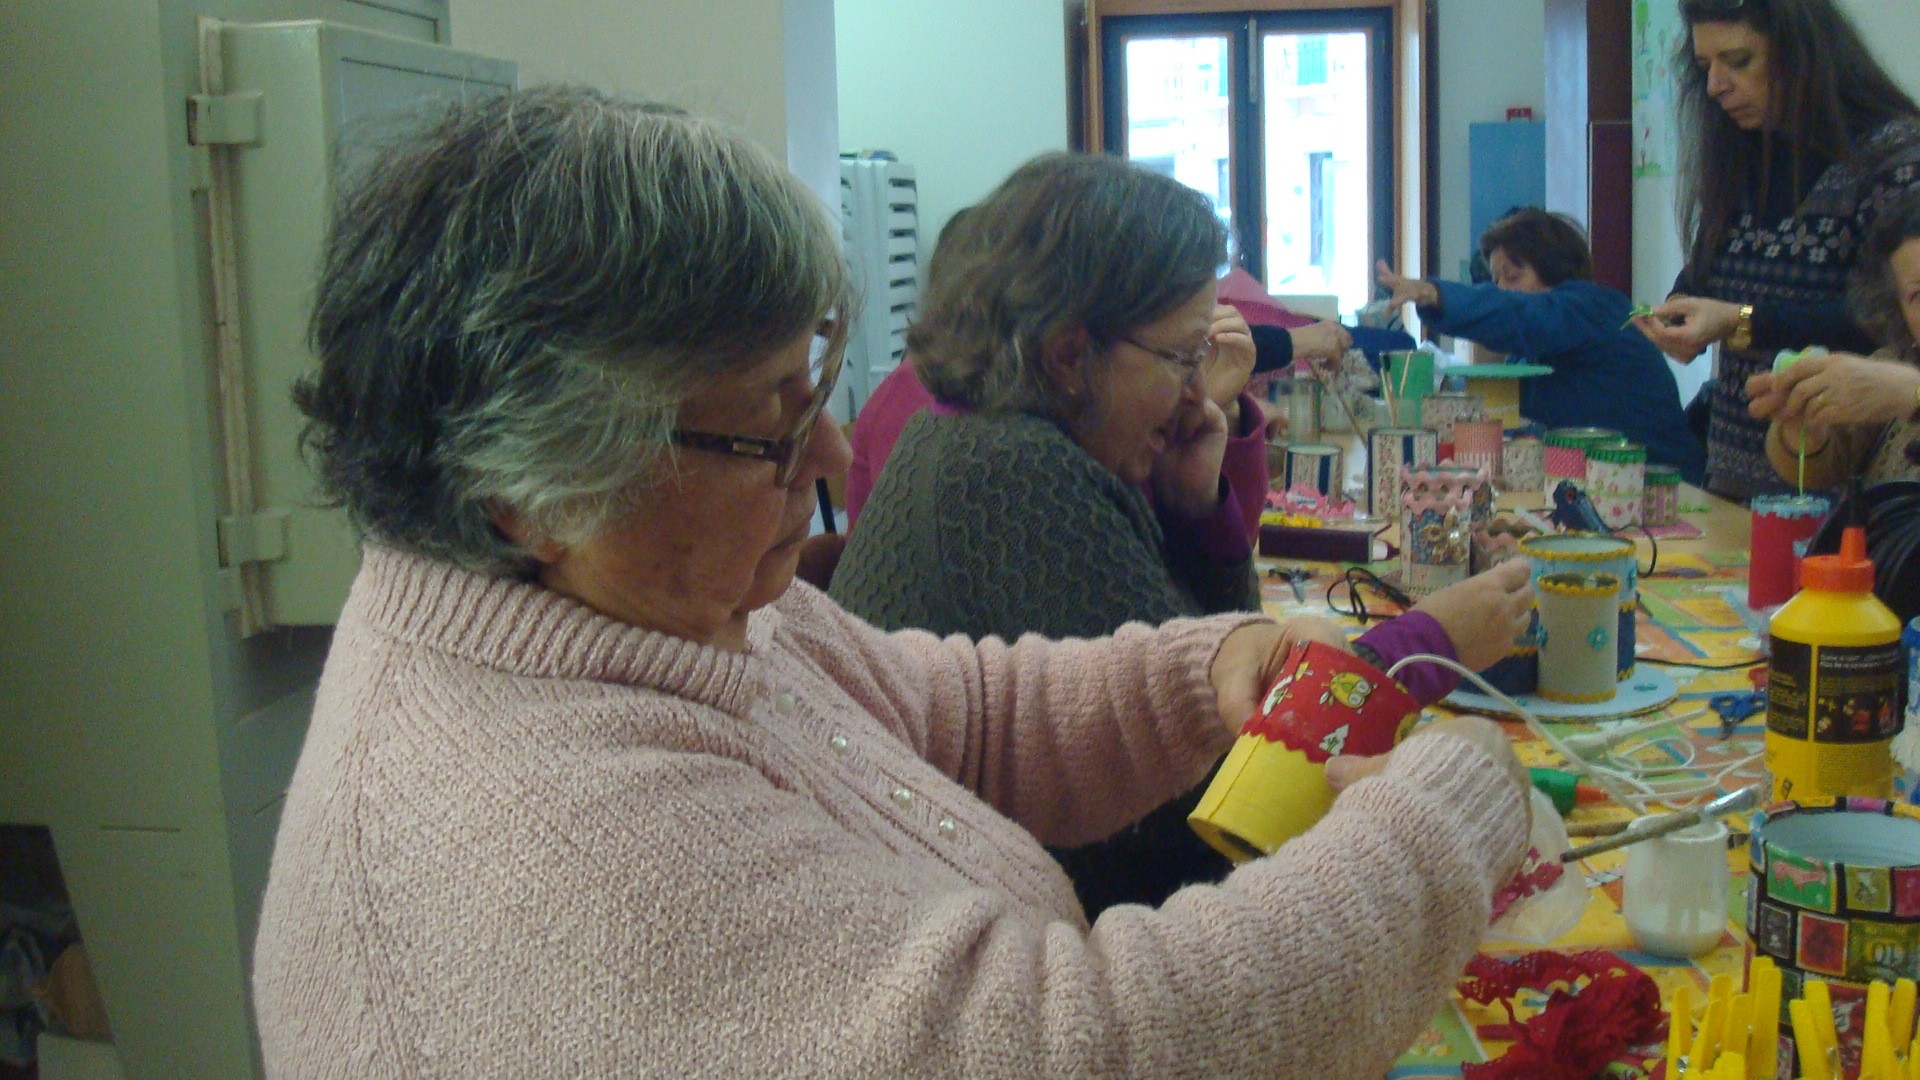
point(1742, 336)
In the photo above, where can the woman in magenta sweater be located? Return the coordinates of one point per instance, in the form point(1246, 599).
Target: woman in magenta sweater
point(592, 788)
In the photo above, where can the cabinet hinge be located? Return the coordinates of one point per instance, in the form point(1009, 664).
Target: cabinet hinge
point(253, 538)
point(224, 119)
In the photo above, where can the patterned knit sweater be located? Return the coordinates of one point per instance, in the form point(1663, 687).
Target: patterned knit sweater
point(524, 840)
point(985, 521)
point(1794, 270)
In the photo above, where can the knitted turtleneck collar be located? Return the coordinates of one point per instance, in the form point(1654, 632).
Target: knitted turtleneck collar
point(526, 629)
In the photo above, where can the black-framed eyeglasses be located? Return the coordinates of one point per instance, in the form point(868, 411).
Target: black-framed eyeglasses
point(1184, 361)
point(785, 453)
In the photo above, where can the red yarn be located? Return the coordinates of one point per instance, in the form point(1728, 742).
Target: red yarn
point(1580, 1031)
point(1536, 876)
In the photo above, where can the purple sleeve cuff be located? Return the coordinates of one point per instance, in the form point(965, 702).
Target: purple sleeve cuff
point(1220, 537)
point(1415, 632)
point(1245, 466)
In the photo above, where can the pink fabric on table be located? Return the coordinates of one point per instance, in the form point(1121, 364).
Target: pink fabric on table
point(901, 395)
point(1256, 305)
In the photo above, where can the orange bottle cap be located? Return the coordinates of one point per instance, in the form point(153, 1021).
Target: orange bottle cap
point(1849, 571)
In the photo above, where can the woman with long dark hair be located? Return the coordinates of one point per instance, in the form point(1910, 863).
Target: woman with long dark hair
point(1799, 140)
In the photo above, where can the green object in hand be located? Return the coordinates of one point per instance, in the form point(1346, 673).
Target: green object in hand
point(1639, 311)
point(1789, 357)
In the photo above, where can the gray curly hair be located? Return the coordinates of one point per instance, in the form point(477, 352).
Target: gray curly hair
point(1875, 296)
point(1068, 241)
point(515, 302)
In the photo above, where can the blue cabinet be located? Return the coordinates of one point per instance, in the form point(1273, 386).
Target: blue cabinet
point(1506, 167)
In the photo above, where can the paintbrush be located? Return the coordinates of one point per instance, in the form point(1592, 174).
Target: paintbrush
point(1646, 828)
point(1327, 386)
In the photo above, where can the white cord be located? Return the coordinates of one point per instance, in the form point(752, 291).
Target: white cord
point(1626, 781)
point(1609, 780)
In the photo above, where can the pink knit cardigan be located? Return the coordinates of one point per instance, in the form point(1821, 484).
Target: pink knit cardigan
point(524, 840)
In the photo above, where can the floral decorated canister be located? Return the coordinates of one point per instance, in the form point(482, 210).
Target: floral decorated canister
point(1523, 464)
point(1439, 507)
point(1566, 454)
point(1616, 479)
point(1660, 504)
point(1443, 408)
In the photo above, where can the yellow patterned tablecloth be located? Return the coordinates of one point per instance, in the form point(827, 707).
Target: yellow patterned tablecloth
point(1692, 618)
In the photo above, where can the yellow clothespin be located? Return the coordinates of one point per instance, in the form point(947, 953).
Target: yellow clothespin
point(1679, 1027)
point(1900, 1012)
point(1739, 1029)
point(1806, 1039)
point(1713, 1026)
point(1820, 1002)
point(1763, 1048)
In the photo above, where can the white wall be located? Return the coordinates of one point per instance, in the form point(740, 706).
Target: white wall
point(766, 65)
point(1474, 86)
point(963, 92)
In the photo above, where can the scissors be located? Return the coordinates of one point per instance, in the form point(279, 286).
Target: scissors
point(1735, 706)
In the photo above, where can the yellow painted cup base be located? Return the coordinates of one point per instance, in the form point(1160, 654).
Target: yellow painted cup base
point(1264, 795)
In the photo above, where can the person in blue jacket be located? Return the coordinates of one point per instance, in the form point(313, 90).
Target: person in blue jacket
point(1543, 307)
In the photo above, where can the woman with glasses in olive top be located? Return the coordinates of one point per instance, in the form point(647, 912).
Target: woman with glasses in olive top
point(1799, 140)
point(1068, 480)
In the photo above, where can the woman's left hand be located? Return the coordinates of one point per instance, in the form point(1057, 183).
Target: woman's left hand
point(1252, 657)
point(1186, 478)
point(1839, 388)
point(1684, 326)
point(1229, 367)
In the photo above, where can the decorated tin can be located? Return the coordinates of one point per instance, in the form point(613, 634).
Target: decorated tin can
point(1437, 510)
point(1660, 503)
point(1444, 407)
point(1579, 552)
point(1566, 454)
point(1389, 450)
point(1773, 567)
point(1578, 627)
point(1318, 467)
point(1616, 479)
point(1910, 639)
point(1476, 443)
point(1272, 786)
point(1834, 894)
point(1523, 464)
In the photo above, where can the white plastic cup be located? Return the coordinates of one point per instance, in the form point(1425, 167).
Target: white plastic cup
point(1675, 894)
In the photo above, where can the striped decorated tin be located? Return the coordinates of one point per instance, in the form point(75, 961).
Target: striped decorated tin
point(1389, 451)
point(1317, 466)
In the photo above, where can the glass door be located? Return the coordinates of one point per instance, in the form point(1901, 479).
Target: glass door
point(1283, 119)
point(1171, 107)
point(1326, 98)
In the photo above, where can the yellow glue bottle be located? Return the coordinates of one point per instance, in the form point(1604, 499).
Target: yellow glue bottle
point(1833, 682)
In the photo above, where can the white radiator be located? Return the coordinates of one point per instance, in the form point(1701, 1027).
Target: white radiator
point(879, 206)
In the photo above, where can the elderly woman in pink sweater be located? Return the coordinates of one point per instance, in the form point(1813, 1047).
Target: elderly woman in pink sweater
point(594, 788)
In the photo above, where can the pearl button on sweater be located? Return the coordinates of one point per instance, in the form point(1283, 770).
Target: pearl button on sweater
point(524, 840)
